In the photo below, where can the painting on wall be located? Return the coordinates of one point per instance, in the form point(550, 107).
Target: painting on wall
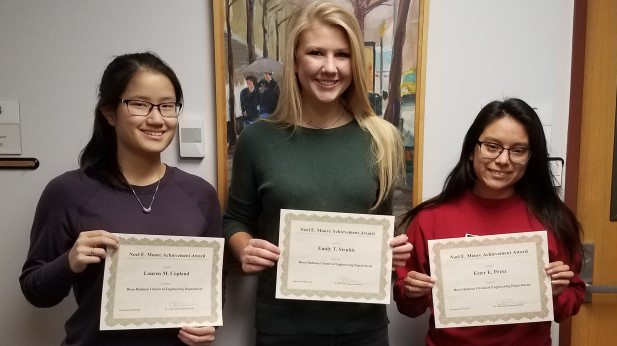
point(249, 38)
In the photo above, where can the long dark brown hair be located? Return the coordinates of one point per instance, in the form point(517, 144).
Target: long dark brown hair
point(535, 187)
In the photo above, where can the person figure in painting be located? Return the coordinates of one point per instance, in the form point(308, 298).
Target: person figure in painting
point(249, 100)
point(269, 95)
point(323, 149)
point(121, 187)
point(501, 184)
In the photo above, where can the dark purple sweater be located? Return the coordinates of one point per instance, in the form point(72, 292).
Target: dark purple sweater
point(185, 205)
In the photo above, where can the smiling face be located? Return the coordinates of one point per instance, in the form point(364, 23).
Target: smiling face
point(139, 136)
point(323, 64)
point(495, 178)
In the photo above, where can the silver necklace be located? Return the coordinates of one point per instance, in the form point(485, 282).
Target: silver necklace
point(309, 122)
point(149, 209)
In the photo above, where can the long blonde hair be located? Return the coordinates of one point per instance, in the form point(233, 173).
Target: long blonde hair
point(387, 142)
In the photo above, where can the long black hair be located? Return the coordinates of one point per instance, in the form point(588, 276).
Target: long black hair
point(535, 187)
point(99, 158)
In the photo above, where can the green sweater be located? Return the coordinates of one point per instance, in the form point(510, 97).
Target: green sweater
point(309, 169)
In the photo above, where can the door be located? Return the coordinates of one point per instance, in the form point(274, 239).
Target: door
point(596, 321)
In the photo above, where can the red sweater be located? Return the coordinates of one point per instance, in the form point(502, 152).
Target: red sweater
point(477, 216)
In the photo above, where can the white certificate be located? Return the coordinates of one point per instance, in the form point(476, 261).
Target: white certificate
point(488, 280)
point(162, 282)
point(334, 256)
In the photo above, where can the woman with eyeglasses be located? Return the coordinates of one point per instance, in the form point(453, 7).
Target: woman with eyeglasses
point(122, 186)
point(501, 184)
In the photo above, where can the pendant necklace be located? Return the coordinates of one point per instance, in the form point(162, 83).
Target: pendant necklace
point(310, 123)
point(149, 209)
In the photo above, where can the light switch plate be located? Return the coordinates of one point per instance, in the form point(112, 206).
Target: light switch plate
point(192, 138)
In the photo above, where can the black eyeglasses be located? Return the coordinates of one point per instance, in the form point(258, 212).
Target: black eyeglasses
point(518, 155)
point(143, 108)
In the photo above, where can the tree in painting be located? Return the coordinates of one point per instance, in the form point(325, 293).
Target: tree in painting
point(250, 37)
point(266, 6)
point(362, 7)
point(393, 110)
point(278, 21)
point(231, 102)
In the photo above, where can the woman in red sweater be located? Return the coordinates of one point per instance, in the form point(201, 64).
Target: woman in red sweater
point(501, 184)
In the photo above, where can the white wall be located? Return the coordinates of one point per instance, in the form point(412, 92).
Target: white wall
point(482, 50)
point(52, 54)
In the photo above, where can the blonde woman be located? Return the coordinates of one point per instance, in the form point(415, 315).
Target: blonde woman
point(322, 149)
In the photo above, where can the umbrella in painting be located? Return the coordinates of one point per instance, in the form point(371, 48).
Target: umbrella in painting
point(261, 65)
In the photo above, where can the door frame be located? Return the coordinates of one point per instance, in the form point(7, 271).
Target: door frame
point(577, 77)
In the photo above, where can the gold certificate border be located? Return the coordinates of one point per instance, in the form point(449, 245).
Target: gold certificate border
point(110, 321)
point(543, 313)
point(356, 220)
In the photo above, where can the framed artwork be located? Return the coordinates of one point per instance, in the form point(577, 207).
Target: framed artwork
point(250, 36)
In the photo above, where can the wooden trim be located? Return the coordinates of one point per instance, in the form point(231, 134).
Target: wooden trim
point(576, 103)
point(220, 96)
point(577, 72)
point(565, 331)
point(420, 92)
point(613, 206)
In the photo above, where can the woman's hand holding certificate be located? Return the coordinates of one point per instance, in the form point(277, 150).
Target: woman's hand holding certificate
point(258, 255)
point(418, 284)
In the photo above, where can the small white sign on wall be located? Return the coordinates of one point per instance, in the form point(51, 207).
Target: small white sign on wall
point(10, 128)
point(556, 165)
